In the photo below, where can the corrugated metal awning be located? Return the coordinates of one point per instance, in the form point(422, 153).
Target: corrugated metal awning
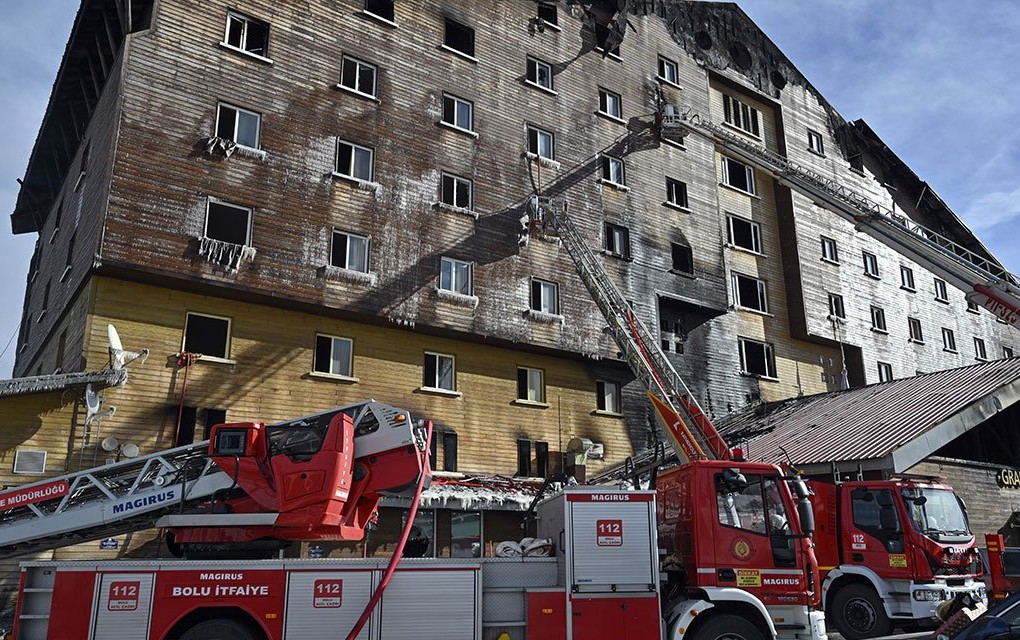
point(61, 382)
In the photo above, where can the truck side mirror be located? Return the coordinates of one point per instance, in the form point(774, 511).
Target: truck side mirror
point(730, 481)
point(806, 515)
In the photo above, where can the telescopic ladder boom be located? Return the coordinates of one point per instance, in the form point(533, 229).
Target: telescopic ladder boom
point(985, 281)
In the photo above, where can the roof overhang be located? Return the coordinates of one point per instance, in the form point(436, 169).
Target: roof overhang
point(16, 387)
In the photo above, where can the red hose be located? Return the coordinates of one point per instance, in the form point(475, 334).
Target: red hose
point(399, 551)
point(185, 360)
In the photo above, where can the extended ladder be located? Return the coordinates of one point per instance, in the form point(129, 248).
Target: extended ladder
point(692, 434)
point(986, 281)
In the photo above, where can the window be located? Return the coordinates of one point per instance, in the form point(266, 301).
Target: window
point(524, 468)
point(740, 115)
point(544, 296)
point(907, 278)
point(744, 233)
point(836, 308)
point(70, 253)
point(878, 319)
point(530, 384)
point(458, 112)
point(870, 264)
point(439, 372)
point(540, 143)
point(829, 251)
point(884, 372)
point(45, 300)
point(916, 334)
point(381, 8)
point(873, 512)
point(613, 171)
point(357, 76)
point(668, 71)
point(349, 251)
point(354, 161)
point(814, 142)
point(455, 275)
point(228, 223)
point(456, 191)
point(57, 214)
point(756, 358)
point(450, 461)
point(247, 34)
point(973, 307)
point(1007, 352)
point(206, 335)
point(749, 293)
point(676, 193)
point(540, 73)
point(239, 125)
point(82, 170)
point(608, 396)
point(603, 36)
point(948, 340)
point(738, 175)
point(609, 104)
point(617, 240)
point(30, 462)
point(547, 13)
point(941, 295)
point(460, 37)
point(683, 257)
point(979, 349)
point(333, 355)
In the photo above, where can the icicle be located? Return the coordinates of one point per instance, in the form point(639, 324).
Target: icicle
point(226, 254)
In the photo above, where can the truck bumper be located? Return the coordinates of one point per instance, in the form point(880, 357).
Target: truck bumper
point(925, 598)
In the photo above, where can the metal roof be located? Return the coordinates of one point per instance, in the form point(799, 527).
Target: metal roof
point(61, 381)
point(893, 425)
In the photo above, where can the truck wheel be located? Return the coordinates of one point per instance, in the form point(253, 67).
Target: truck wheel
point(858, 613)
point(218, 630)
point(728, 627)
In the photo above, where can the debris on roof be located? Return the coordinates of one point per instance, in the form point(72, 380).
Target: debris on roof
point(61, 382)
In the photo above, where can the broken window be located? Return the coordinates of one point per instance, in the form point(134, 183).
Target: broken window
point(941, 295)
point(916, 333)
point(757, 358)
point(668, 71)
point(948, 340)
point(247, 34)
point(358, 76)
point(885, 372)
point(544, 296)
point(870, 264)
point(979, 349)
point(439, 372)
point(617, 240)
point(455, 275)
point(815, 143)
point(458, 112)
point(740, 115)
point(206, 335)
point(333, 355)
point(907, 278)
point(683, 257)
point(530, 384)
point(608, 396)
point(237, 124)
point(541, 143)
point(836, 308)
point(613, 171)
point(228, 223)
point(676, 193)
point(750, 293)
point(744, 233)
point(603, 36)
point(829, 251)
point(547, 13)
point(456, 191)
point(354, 161)
point(349, 251)
point(540, 73)
point(610, 104)
point(878, 319)
point(380, 8)
point(459, 37)
point(738, 175)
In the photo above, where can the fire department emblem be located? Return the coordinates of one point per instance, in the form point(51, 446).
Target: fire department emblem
point(741, 549)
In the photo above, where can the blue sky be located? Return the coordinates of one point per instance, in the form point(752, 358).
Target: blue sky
point(933, 78)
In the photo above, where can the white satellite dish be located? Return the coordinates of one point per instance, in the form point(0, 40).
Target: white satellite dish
point(92, 404)
point(119, 358)
point(109, 444)
point(115, 343)
point(130, 450)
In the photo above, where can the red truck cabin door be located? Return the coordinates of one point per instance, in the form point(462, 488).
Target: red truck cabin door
point(874, 535)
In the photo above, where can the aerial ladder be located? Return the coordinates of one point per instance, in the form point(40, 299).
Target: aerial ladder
point(985, 281)
point(246, 492)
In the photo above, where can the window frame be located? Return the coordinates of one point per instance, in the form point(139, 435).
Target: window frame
point(768, 357)
point(333, 339)
point(527, 388)
point(737, 112)
point(885, 372)
point(451, 108)
point(941, 291)
point(391, 18)
point(538, 133)
point(917, 337)
point(948, 340)
point(1007, 352)
point(359, 65)
point(673, 188)
point(608, 390)
point(353, 164)
point(347, 250)
point(616, 234)
point(738, 298)
point(755, 234)
point(455, 182)
point(450, 37)
point(878, 320)
point(220, 106)
point(980, 350)
point(533, 77)
point(454, 263)
point(666, 63)
point(537, 288)
point(613, 165)
point(438, 358)
point(907, 279)
point(675, 251)
point(610, 104)
point(837, 306)
point(816, 144)
point(751, 187)
point(228, 338)
point(242, 46)
point(210, 202)
point(832, 256)
point(870, 264)
point(544, 16)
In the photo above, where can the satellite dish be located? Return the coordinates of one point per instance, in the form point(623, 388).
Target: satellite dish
point(109, 444)
point(92, 403)
point(130, 450)
point(119, 358)
point(114, 337)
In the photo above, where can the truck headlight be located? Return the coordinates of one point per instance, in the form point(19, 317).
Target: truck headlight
point(929, 595)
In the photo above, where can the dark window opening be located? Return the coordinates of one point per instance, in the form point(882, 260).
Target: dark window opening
point(602, 37)
point(460, 37)
point(757, 358)
point(676, 192)
point(617, 240)
point(524, 458)
point(381, 8)
point(185, 433)
point(738, 175)
point(213, 417)
point(547, 13)
point(228, 223)
point(683, 258)
point(248, 34)
point(206, 335)
point(449, 451)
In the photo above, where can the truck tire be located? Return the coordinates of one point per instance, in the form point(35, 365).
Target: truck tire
point(728, 627)
point(858, 613)
point(218, 629)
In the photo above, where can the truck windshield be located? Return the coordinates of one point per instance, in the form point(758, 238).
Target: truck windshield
point(935, 512)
